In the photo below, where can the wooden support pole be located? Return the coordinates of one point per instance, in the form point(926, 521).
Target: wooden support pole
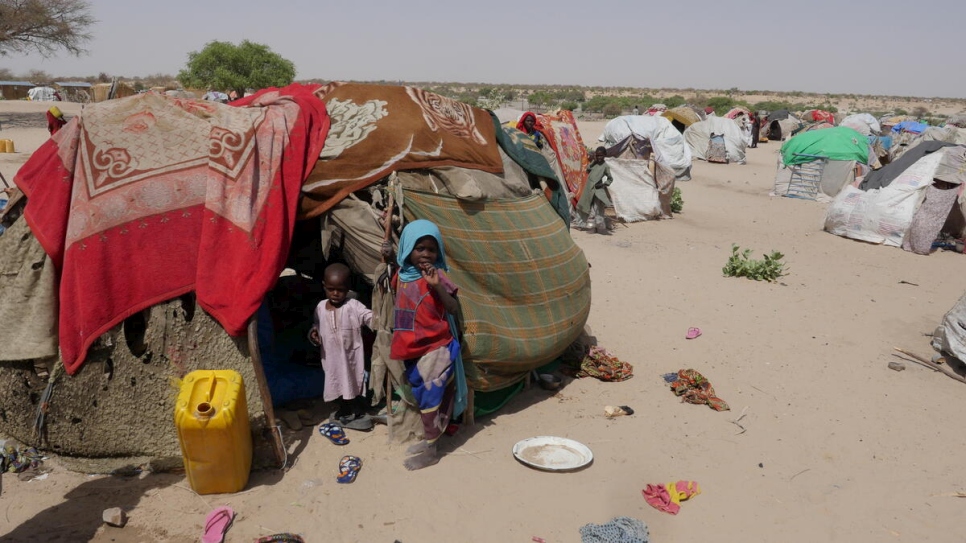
point(263, 391)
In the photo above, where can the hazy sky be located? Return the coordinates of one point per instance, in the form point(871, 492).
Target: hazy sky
point(901, 47)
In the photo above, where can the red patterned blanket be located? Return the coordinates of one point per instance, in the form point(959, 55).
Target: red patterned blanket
point(146, 198)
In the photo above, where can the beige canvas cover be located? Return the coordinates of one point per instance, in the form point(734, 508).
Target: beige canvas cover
point(698, 135)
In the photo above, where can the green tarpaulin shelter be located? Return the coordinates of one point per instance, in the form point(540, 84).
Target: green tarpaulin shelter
point(838, 143)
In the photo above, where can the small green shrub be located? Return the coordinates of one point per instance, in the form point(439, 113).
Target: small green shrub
point(770, 268)
point(677, 202)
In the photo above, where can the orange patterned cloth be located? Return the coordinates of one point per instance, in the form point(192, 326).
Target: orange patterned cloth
point(379, 129)
point(561, 131)
point(601, 364)
point(142, 199)
point(695, 388)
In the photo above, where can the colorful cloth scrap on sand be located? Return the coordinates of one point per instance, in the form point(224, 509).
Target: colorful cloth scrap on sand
point(145, 198)
point(694, 388)
point(668, 497)
point(601, 364)
point(617, 530)
point(561, 131)
point(378, 129)
point(524, 283)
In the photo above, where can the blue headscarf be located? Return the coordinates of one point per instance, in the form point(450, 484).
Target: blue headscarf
point(412, 233)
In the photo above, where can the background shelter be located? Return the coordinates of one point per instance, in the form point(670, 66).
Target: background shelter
point(698, 135)
point(818, 116)
point(780, 125)
point(670, 148)
point(682, 117)
point(863, 123)
point(43, 94)
point(836, 143)
point(15, 90)
point(74, 91)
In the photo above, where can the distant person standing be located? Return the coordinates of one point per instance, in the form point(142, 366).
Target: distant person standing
point(55, 120)
point(709, 111)
point(755, 129)
point(637, 110)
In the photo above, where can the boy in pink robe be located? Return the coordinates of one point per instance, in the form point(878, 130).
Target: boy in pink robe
point(338, 333)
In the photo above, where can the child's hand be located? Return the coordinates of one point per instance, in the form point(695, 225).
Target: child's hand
point(429, 273)
point(314, 337)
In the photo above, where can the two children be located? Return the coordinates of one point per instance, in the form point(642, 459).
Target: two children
point(422, 335)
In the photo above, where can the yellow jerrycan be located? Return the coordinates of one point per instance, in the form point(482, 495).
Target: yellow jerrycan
point(211, 415)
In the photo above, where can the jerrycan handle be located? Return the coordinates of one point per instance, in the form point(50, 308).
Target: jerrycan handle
point(211, 389)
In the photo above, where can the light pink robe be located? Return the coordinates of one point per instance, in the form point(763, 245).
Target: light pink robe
point(340, 332)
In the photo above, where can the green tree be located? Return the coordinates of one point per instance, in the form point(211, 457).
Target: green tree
point(44, 26)
point(612, 109)
point(224, 65)
point(721, 104)
point(540, 98)
point(569, 106)
point(674, 101)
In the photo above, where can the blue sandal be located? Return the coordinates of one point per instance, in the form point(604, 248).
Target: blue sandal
point(334, 432)
point(349, 468)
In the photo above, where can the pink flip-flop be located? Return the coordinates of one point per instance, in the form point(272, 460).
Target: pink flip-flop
point(693, 333)
point(217, 524)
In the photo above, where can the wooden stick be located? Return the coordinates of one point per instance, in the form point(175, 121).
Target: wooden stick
point(932, 365)
point(4, 179)
point(264, 392)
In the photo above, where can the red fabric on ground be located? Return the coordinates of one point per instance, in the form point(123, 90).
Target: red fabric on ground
point(146, 198)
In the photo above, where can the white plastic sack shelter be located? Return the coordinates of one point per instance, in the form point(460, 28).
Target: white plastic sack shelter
point(634, 190)
point(42, 94)
point(669, 146)
point(882, 215)
point(699, 134)
point(863, 123)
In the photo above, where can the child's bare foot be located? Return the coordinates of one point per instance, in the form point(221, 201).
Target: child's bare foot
point(419, 448)
point(422, 460)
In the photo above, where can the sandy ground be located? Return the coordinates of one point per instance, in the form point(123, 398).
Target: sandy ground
point(836, 447)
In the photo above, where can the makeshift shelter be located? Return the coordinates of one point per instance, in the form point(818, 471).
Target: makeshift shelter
point(957, 120)
point(698, 136)
point(949, 339)
point(913, 127)
point(862, 123)
point(886, 122)
point(642, 187)
point(205, 233)
point(682, 117)
point(669, 145)
point(15, 90)
point(737, 112)
point(818, 116)
point(780, 125)
point(918, 204)
point(110, 91)
point(813, 165)
point(43, 94)
point(74, 91)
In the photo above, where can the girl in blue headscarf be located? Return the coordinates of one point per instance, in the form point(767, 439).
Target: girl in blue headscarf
point(423, 335)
